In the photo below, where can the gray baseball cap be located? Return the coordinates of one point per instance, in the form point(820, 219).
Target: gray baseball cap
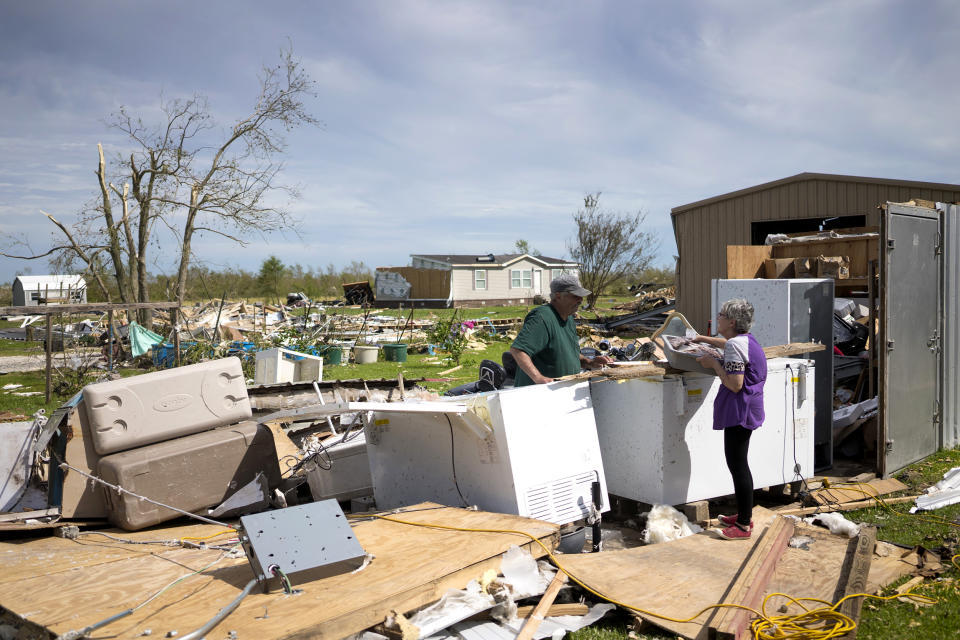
point(568, 283)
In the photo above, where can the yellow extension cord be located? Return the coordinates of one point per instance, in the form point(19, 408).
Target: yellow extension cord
point(819, 623)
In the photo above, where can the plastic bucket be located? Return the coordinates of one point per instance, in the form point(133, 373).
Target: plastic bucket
point(395, 352)
point(331, 355)
point(365, 354)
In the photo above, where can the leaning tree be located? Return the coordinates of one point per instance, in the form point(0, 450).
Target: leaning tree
point(188, 176)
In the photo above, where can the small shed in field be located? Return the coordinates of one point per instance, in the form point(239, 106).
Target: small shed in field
point(800, 203)
point(33, 291)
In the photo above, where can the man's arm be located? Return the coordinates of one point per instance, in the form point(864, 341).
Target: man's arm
point(526, 364)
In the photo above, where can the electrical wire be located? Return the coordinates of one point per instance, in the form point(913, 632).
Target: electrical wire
point(813, 624)
point(453, 462)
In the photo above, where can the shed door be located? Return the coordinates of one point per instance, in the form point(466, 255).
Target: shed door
point(910, 354)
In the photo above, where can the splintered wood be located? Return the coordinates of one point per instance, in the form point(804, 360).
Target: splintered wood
point(66, 585)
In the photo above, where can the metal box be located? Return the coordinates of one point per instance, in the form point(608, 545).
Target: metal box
point(132, 412)
point(793, 310)
point(305, 543)
point(349, 473)
point(190, 473)
point(659, 445)
point(539, 460)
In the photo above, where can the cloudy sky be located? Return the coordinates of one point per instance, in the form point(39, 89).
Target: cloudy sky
point(464, 126)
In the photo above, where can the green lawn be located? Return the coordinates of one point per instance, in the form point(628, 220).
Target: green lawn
point(422, 366)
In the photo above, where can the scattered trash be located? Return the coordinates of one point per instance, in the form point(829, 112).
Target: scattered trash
point(945, 492)
point(837, 524)
point(664, 523)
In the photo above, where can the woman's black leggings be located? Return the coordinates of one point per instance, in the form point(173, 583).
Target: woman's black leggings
point(736, 444)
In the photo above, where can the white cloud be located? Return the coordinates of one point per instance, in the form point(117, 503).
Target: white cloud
point(463, 126)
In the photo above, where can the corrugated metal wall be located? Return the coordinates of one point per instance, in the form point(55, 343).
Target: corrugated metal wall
point(703, 230)
point(950, 343)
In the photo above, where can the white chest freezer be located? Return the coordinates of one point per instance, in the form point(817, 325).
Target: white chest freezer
point(538, 460)
point(659, 446)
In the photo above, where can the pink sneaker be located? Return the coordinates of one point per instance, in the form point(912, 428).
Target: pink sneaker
point(734, 532)
point(729, 521)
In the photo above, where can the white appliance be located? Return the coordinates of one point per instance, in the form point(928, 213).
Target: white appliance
point(347, 472)
point(538, 458)
point(658, 443)
point(283, 365)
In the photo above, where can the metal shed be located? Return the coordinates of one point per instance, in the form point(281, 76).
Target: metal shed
point(33, 291)
point(804, 202)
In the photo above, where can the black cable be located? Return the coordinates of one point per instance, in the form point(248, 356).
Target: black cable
point(320, 457)
point(453, 462)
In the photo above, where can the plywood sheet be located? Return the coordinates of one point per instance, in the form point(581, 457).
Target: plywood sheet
point(65, 585)
point(680, 578)
point(853, 493)
point(746, 261)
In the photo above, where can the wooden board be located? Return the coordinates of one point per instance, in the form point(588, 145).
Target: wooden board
point(64, 585)
point(746, 261)
point(679, 578)
point(857, 493)
point(92, 307)
point(747, 588)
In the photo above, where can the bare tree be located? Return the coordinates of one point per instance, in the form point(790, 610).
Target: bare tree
point(609, 245)
point(190, 179)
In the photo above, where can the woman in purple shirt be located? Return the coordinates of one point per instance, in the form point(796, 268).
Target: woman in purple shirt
point(738, 408)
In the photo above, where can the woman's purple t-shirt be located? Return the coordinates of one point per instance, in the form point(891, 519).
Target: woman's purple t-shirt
point(742, 355)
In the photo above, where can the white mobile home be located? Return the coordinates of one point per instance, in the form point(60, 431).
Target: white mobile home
point(478, 280)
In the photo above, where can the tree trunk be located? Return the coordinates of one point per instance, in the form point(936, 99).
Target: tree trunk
point(123, 282)
point(185, 249)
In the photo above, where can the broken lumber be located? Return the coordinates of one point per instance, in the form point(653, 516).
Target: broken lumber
point(853, 576)
point(747, 588)
point(536, 616)
point(848, 506)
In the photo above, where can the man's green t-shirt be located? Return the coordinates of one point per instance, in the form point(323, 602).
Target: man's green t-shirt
point(551, 343)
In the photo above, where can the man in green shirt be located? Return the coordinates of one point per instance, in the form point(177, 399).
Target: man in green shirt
point(547, 346)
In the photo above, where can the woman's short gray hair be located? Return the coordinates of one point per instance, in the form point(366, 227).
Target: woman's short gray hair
point(740, 313)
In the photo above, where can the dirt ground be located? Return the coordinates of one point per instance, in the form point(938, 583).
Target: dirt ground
point(17, 364)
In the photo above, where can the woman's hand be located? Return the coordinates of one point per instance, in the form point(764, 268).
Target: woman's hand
point(709, 362)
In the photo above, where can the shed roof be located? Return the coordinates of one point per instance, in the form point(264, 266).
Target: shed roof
point(801, 177)
point(499, 260)
point(55, 280)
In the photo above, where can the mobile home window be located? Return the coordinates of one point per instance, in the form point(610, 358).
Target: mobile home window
point(480, 279)
point(521, 278)
point(556, 273)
